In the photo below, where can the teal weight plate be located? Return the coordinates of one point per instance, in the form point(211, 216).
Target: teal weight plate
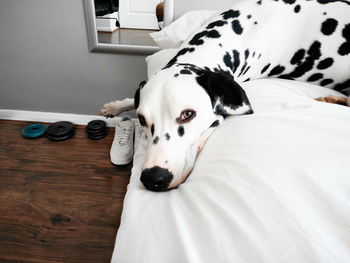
point(33, 131)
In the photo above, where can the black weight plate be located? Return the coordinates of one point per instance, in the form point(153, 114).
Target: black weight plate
point(97, 137)
point(96, 125)
point(62, 138)
point(60, 129)
point(96, 132)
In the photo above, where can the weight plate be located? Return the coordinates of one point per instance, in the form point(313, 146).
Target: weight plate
point(96, 125)
point(61, 138)
point(96, 132)
point(33, 131)
point(60, 129)
point(97, 137)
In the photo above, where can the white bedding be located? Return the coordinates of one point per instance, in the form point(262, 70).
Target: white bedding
point(269, 187)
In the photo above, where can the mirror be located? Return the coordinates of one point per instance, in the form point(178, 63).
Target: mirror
point(123, 26)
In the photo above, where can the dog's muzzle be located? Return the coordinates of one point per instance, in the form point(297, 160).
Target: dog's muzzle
point(156, 178)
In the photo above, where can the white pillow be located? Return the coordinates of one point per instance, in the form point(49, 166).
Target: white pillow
point(173, 35)
point(158, 60)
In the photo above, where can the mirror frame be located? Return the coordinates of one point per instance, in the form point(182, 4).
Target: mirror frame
point(95, 46)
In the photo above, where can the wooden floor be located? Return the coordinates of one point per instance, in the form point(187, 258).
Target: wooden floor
point(124, 36)
point(59, 201)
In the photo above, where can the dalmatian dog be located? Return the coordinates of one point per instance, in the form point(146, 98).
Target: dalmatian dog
point(181, 105)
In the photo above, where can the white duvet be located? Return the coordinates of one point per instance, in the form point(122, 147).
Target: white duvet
point(269, 187)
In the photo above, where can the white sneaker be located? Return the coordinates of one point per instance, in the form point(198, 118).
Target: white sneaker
point(122, 147)
point(138, 134)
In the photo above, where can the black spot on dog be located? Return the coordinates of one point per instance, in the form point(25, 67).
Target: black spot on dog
point(185, 71)
point(253, 55)
point(332, 1)
point(298, 57)
point(156, 140)
point(137, 94)
point(249, 16)
point(256, 22)
point(328, 27)
point(176, 75)
point(214, 124)
point(276, 70)
point(326, 82)
point(246, 80)
point(233, 61)
point(213, 34)
point(246, 70)
point(290, 2)
point(259, 2)
point(180, 53)
point(297, 9)
point(236, 60)
point(265, 68)
point(313, 54)
point(181, 131)
point(236, 26)
point(197, 40)
point(344, 48)
point(324, 13)
point(343, 87)
point(218, 69)
point(143, 83)
point(230, 14)
point(246, 55)
point(220, 45)
point(152, 129)
point(137, 98)
point(314, 77)
point(217, 23)
point(192, 68)
point(228, 60)
point(325, 63)
point(167, 136)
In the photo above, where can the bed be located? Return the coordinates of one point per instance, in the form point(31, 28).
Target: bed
point(269, 187)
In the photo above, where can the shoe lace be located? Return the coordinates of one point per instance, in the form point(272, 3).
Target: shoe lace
point(124, 135)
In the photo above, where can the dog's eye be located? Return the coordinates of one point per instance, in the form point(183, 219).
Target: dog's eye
point(186, 116)
point(142, 120)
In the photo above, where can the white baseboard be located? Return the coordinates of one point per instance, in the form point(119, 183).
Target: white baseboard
point(50, 117)
point(107, 22)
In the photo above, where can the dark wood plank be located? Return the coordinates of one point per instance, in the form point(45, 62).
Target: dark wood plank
point(59, 201)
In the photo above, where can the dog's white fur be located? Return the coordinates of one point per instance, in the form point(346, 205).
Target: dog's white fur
point(161, 105)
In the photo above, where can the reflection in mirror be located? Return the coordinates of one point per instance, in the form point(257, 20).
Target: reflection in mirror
point(128, 22)
point(123, 26)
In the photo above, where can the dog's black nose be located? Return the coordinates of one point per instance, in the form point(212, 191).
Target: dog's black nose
point(156, 178)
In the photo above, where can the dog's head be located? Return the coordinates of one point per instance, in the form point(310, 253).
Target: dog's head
point(178, 112)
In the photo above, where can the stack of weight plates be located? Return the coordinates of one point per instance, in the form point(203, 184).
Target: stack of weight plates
point(96, 129)
point(60, 131)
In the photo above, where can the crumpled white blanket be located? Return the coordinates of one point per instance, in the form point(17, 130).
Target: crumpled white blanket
point(269, 187)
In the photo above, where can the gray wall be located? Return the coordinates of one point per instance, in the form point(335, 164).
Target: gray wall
point(45, 64)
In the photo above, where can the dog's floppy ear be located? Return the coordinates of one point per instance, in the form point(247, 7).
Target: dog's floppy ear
point(137, 94)
point(227, 97)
